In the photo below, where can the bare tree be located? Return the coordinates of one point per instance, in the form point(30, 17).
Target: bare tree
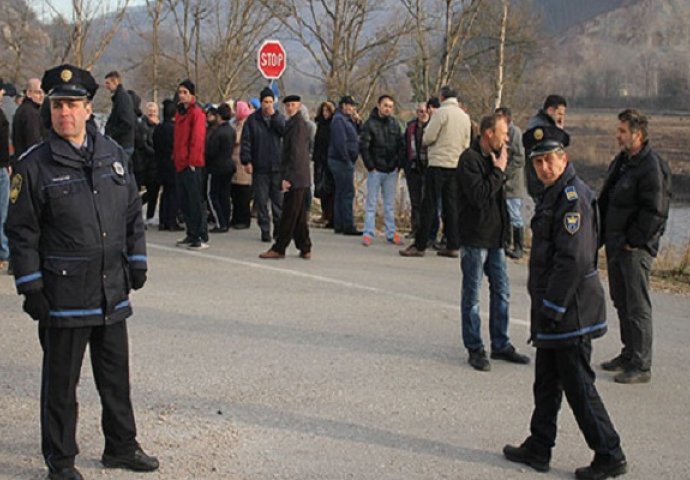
point(91, 28)
point(237, 29)
point(351, 51)
point(22, 41)
point(155, 10)
point(501, 54)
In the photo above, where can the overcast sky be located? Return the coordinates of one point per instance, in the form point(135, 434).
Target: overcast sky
point(65, 6)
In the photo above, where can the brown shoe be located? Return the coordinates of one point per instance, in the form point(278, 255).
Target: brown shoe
point(272, 254)
point(305, 255)
point(448, 253)
point(411, 251)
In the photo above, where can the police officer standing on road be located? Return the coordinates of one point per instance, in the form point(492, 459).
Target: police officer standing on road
point(568, 310)
point(77, 242)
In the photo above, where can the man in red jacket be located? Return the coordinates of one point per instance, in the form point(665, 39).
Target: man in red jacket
point(188, 155)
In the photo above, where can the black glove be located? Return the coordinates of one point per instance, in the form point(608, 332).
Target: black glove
point(36, 305)
point(138, 278)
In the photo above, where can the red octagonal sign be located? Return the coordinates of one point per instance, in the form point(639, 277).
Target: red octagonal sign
point(271, 59)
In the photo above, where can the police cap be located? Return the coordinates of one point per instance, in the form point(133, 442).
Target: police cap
point(544, 139)
point(68, 81)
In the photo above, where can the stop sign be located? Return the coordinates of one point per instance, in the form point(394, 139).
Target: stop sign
point(271, 59)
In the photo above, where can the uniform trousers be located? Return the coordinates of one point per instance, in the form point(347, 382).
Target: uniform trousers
point(567, 369)
point(293, 222)
point(63, 352)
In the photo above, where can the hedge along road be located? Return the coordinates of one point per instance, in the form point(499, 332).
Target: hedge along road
point(347, 366)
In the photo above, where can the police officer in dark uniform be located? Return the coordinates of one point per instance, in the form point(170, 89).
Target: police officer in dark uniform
point(568, 311)
point(77, 242)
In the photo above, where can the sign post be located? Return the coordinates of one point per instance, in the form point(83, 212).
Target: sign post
point(271, 59)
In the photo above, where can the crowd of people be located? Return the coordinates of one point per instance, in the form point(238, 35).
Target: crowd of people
point(76, 209)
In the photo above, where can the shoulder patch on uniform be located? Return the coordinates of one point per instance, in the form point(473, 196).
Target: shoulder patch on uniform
point(571, 193)
point(16, 187)
point(572, 221)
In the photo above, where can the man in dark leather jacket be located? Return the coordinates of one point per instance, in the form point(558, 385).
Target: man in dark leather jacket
point(568, 310)
point(634, 205)
point(78, 247)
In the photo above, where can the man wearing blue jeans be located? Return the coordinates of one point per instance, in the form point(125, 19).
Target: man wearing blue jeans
point(382, 148)
point(483, 215)
point(4, 180)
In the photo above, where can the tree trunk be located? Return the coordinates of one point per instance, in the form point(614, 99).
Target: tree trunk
point(501, 55)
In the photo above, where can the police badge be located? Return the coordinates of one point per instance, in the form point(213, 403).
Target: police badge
point(16, 187)
point(571, 221)
point(118, 168)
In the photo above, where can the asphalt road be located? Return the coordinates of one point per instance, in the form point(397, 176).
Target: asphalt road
point(347, 366)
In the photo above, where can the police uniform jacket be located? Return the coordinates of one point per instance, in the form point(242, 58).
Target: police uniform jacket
point(635, 201)
point(75, 229)
point(567, 296)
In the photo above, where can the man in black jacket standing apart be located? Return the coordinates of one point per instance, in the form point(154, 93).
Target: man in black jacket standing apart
point(484, 218)
point(260, 155)
point(122, 120)
point(634, 207)
point(78, 247)
point(27, 127)
point(220, 168)
point(568, 311)
point(295, 183)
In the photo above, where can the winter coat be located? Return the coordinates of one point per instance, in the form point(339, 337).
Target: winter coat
point(447, 134)
point(635, 201)
point(323, 179)
point(190, 137)
point(343, 146)
point(163, 138)
point(482, 212)
point(240, 177)
point(27, 127)
point(143, 158)
point(75, 230)
point(122, 120)
point(568, 300)
point(295, 162)
point(417, 155)
point(381, 143)
point(4, 141)
point(219, 147)
point(515, 171)
point(261, 142)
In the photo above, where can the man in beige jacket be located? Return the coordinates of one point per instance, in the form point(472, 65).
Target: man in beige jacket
point(447, 135)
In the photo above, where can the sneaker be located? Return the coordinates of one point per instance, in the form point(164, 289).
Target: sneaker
point(367, 240)
point(411, 251)
point(633, 375)
point(198, 245)
point(510, 355)
point(522, 454)
point(616, 364)
point(478, 360)
point(183, 242)
point(136, 461)
point(600, 469)
point(396, 239)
